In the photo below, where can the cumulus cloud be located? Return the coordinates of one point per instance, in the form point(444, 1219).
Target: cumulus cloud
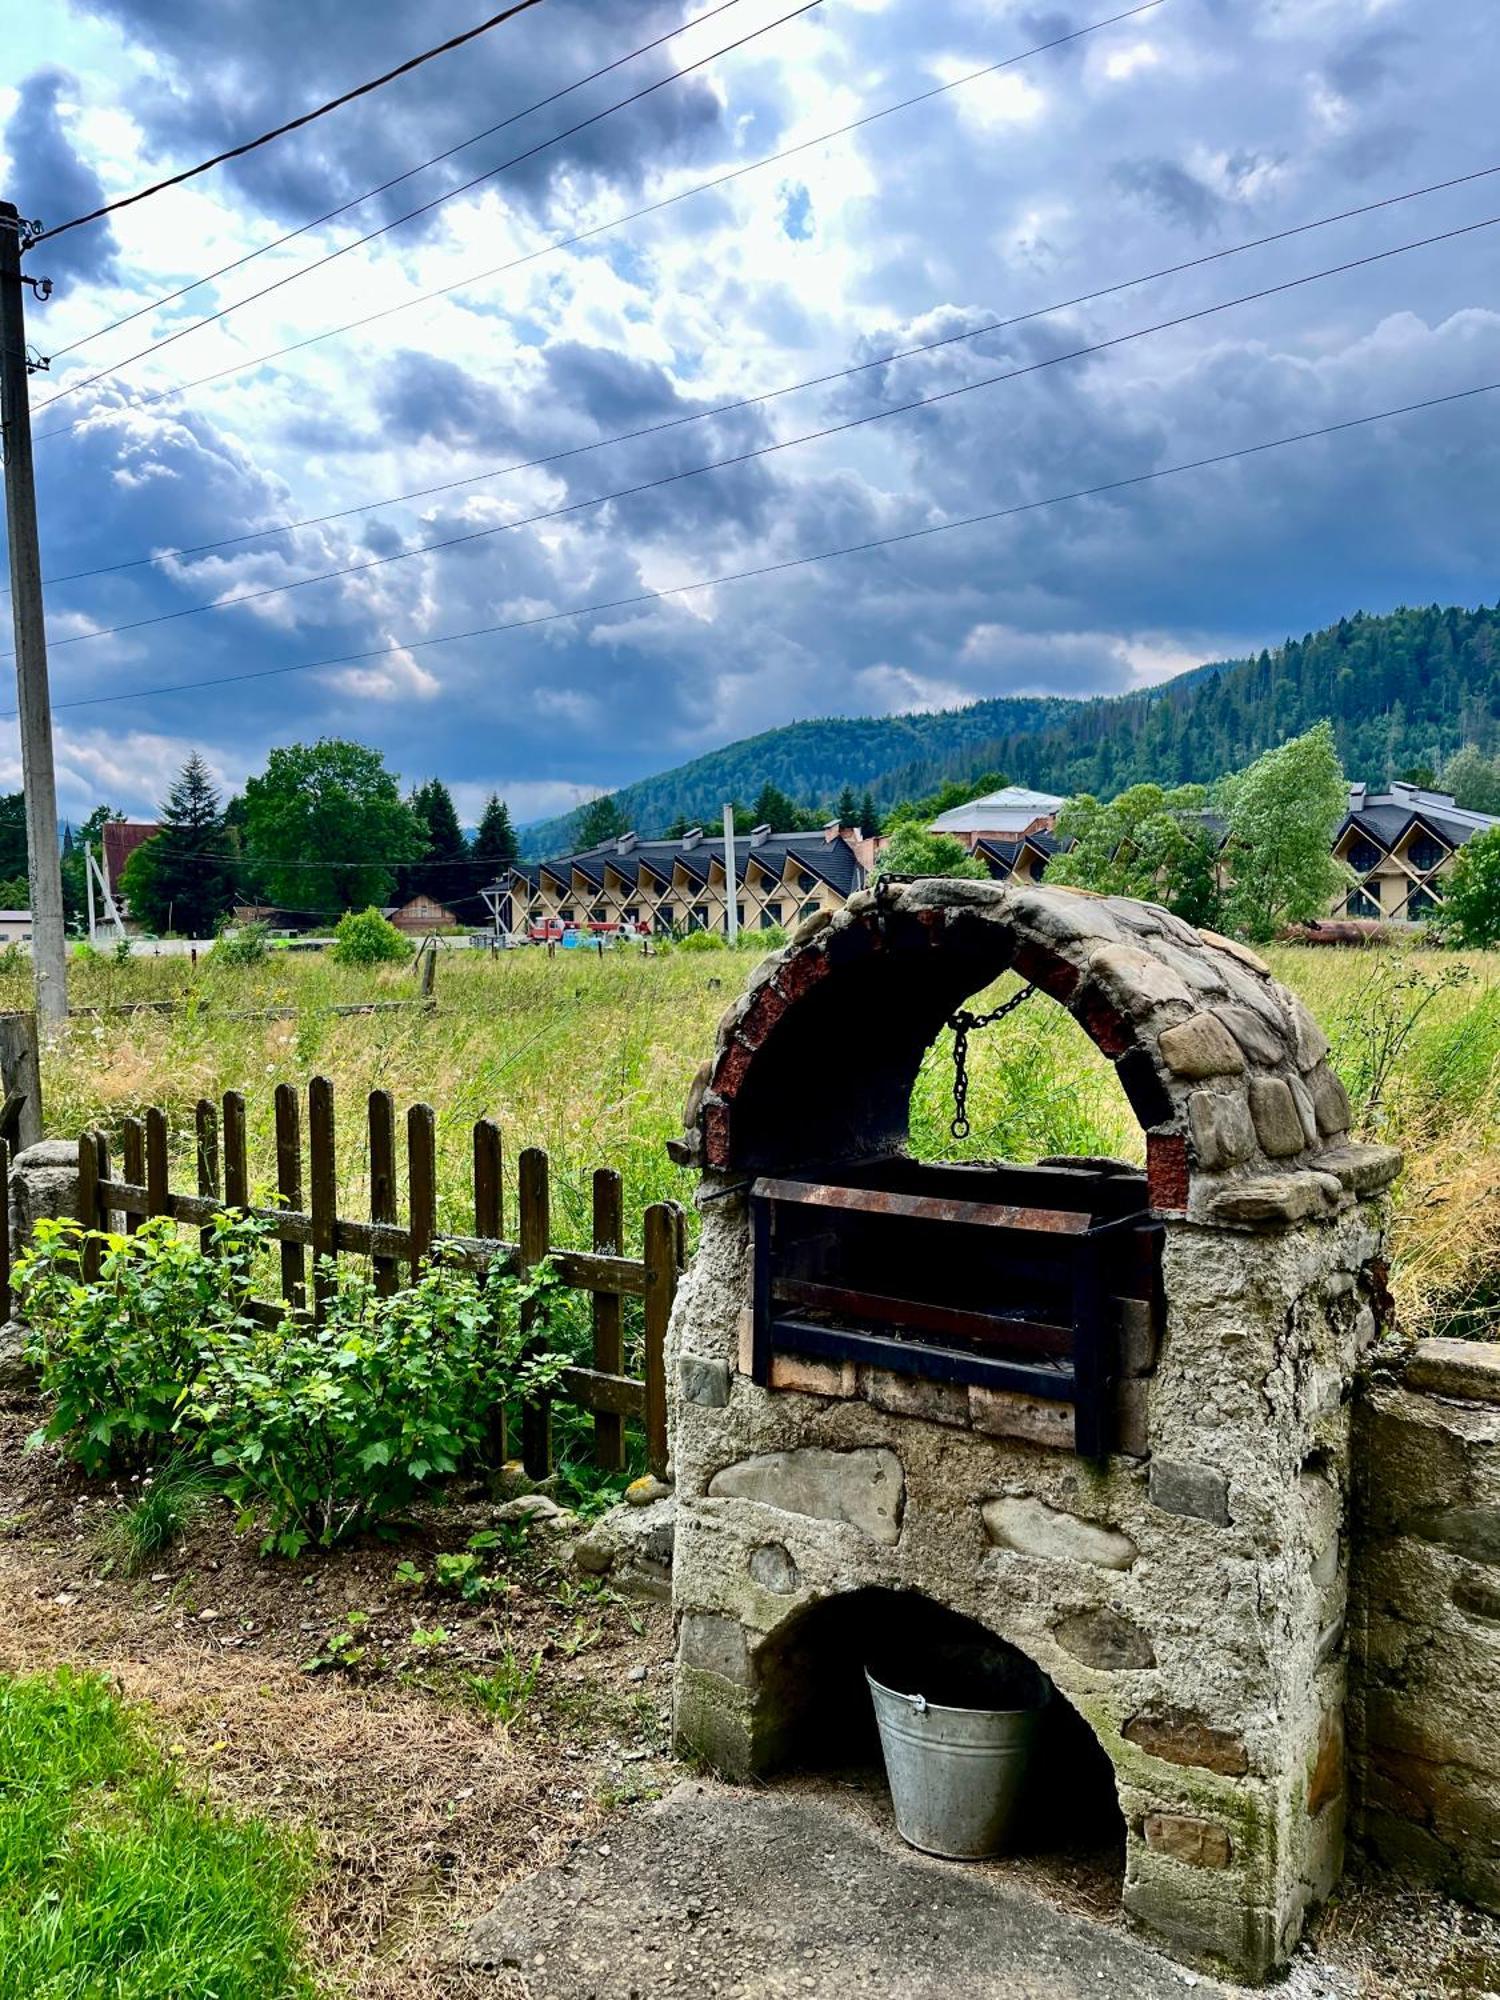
point(55, 183)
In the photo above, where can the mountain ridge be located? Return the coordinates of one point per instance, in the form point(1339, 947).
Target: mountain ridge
point(1402, 689)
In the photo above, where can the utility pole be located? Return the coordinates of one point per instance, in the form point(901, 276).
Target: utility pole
point(49, 945)
point(731, 886)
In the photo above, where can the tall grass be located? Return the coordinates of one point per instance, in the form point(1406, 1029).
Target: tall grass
point(591, 1059)
point(114, 1880)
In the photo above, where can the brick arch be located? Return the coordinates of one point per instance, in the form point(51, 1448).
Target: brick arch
point(1223, 1067)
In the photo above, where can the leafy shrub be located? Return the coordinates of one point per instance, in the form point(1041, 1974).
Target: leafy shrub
point(115, 1355)
point(316, 1430)
point(703, 941)
point(245, 944)
point(364, 937)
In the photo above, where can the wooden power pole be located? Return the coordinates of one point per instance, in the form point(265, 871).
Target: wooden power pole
point(49, 947)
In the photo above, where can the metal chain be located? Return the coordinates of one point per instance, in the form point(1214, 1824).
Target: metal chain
point(963, 1024)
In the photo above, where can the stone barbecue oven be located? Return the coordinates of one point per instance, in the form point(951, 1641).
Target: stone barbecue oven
point(1103, 1415)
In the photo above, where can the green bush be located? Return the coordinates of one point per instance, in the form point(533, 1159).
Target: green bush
point(316, 1431)
point(364, 937)
point(703, 941)
point(244, 944)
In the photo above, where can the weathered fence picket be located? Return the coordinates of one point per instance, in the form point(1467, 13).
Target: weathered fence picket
point(604, 1389)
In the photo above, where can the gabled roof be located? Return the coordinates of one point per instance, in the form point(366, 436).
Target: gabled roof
point(830, 861)
point(1387, 817)
point(1010, 810)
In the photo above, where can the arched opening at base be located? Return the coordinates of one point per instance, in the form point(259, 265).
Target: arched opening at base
point(821, 1719)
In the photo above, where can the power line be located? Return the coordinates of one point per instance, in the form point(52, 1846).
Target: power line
point(330, 215)
point(155, 396)
point(292, 124)
point(437, 201)
point(787, 389)
point(788, 563)
point(780, 444)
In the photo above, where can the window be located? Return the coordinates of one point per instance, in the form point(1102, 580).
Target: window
point(698, 917)
point(1363, 856)
point(806, 881)
point(1362, 904)
point(1426, 853)
point(598, 914)
point(535, 913)
point(632, 915)
point(567, 916)
point(666, 916)
point(1422, 902)
point(739, 915)
point(770, 917)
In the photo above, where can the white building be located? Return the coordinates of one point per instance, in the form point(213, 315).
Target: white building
point(1005, 815)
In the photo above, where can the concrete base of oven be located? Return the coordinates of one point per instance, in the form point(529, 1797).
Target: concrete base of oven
point(1189, 1607)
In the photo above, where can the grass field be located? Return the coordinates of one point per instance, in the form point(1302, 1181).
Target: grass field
point(591, 1058)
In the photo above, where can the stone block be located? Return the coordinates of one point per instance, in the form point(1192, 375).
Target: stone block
point(714, 1645)
point(1198, 1492)
point(810, 926)
point(1478, 1597)
point(1361, 1169)
point(864, 1488)
point(912, 1396)
point(703, 1382)
point(1254, 1034)
point(745, 1341)
point(1302, 1098)
point(1140, 1338)
point(1033, 1528)
point(1274, 1200)
point(1200, 1047)
point(1274, 1110)
point(1240, 952)
point(1033, 1419)
point(696, 1089)
point(1133, 1417)
point(1330, 1100)
point(813, 1378)
point(1198, 1842)
point(1472, 1532)
point(1468, 1369)
point(1180, 1737)
point(1311, 1042)
point(1136, 982)
point(1220, 1124)
point(772, 1567)
point(1106, 1640)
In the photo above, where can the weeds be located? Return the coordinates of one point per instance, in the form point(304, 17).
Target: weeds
point(506, 1690)
point(171, 1501)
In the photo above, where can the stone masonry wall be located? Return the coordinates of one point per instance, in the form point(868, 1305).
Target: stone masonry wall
point(1425, 1713)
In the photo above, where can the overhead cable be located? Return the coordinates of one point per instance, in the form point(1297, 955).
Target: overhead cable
point(291, 125)
point(425, 208)
point(155, 396)
point(780, 444)
point(330, 215)
point(786, 389)
point(788, 563)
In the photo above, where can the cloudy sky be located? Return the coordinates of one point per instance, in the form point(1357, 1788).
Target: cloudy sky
point(1183, 131)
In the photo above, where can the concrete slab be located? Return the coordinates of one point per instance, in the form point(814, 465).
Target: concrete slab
point(717, 1893)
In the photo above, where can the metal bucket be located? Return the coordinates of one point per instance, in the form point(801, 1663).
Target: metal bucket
point(955, 1773)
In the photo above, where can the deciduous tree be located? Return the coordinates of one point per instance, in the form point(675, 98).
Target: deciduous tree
point(327, 828)
point(1281, 814)
point(1471, 895)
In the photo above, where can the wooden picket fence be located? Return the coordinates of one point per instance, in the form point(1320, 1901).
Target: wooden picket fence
point(306, 1219)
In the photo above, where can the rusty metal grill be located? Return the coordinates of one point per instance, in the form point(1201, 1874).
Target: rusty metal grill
point(1005, 1277)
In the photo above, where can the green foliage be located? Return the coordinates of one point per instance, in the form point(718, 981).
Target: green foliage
point(506, 1689)
point(598, 821)
point(15, 894)
point(775, 809)
point(1281, 815)
point(325, 827)
point(171, 1501)
point(912, 850)
point(245, 944)
point(1147, 842)
point(183, 880)
point(1473, 780)
point(13, 854)
point(91, 833)
point(495, 844)
point(114, 1880)
point(446, 871)
point(1470, 915)
point(703, 941)
point(317, 1430)
point(953, 792)
point(365, 937)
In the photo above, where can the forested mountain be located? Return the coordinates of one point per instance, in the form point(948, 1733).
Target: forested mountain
point(1402, 691)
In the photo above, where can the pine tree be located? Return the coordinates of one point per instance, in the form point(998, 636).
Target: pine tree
point(847, 809)
point(773, 808)
point(869, 818)
point(495, 845)
point(443, 872)
point(183, 880)
point(598, 821)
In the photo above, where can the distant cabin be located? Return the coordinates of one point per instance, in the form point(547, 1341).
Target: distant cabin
point(421, 915)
